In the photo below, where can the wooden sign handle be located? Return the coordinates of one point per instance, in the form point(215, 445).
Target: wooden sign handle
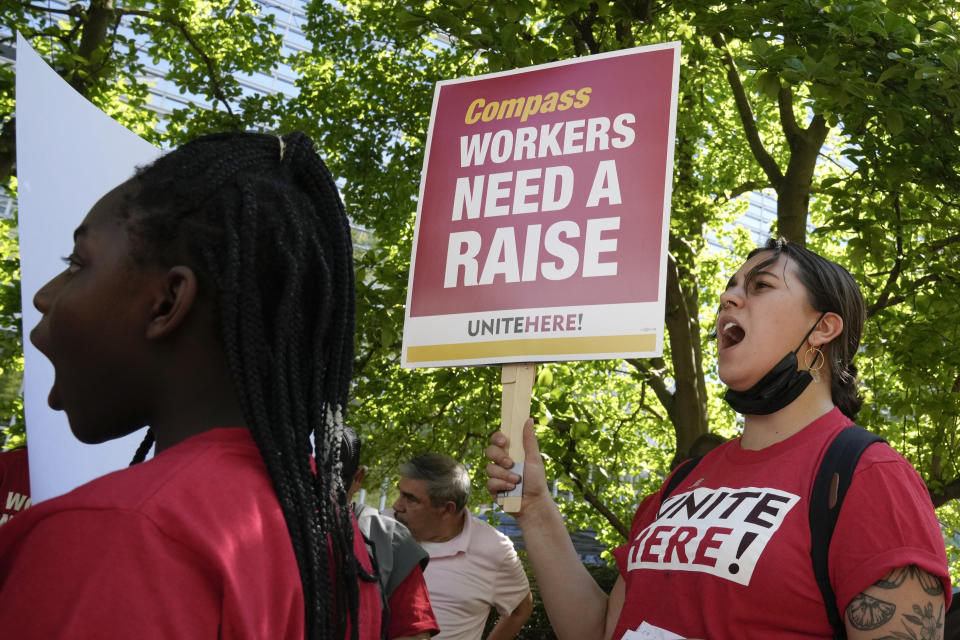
point(517, 382)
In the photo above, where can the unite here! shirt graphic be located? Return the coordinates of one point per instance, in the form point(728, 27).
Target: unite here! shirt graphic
point(15, 503)
point(720, 531)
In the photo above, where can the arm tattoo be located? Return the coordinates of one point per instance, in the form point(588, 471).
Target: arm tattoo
point(931, 584)
point(930, 625)
point(866, 612)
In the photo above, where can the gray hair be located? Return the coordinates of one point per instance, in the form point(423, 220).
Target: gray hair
point(447, 479)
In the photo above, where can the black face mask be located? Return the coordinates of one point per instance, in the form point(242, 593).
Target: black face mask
point(779, 387)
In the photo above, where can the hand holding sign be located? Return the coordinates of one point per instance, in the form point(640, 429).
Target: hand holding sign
point(500, 477)
point(517, 380)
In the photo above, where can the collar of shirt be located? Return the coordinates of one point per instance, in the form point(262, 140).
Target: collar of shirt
point(458, 544)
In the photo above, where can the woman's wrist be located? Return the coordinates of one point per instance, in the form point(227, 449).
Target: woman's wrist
point(537, 513)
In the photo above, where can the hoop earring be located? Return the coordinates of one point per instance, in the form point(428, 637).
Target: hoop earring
point(816, 360)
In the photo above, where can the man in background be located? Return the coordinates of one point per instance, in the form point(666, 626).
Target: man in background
point(399, 561)
point(473, 567)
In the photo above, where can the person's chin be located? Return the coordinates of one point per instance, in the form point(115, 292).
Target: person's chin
point(728, 377)
point(86, 436)
point(92, 432)
point(735, 382)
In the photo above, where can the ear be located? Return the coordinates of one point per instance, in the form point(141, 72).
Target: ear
point(176, 298)
point(449, 508)
point(829, 327)
point(357, 480)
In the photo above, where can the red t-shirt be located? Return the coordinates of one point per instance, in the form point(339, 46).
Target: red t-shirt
point(727, 555)
point(410, 610)
point(14, 483)
point(191, 544)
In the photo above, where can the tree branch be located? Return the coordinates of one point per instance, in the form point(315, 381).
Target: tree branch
point(944, 243)
point(746, 187)
point(885, 300)
point(72, 11)
point(947, 203)
point(589, 495)
point(834, 162)
point(950, 492)
point(584, 29)
point(895, 300)
point(182, 27)
point(767, 163)
point(897, 264)
point(788, 119)
point(664, 395)
point(359, 364)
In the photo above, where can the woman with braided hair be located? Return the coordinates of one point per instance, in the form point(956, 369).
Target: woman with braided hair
point(209, 297)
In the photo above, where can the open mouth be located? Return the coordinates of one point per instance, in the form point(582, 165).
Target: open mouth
point(731, 334)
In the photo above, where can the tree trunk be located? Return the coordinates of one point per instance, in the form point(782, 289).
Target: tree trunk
point(8, 150)
point(688, 410)
point(793, 192)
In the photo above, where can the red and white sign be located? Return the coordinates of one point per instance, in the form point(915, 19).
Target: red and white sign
point(542, 224)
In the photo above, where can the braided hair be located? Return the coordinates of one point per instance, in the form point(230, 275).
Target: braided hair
point(260, 220)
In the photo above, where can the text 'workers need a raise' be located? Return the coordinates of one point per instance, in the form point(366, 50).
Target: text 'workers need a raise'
point(473, 260)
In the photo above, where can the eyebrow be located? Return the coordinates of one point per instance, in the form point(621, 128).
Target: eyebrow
point(764, 272)
point(80, 231)
point(751, 275)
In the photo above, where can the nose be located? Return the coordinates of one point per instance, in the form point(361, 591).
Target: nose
point(731, 297)
point(43, 297)
point(397, 506)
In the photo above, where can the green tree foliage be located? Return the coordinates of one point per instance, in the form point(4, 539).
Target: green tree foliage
point(11, 350)
point(847, 112)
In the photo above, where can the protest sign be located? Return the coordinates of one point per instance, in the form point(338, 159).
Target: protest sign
point(543, 217)
point(543, 220)
point(69, 154)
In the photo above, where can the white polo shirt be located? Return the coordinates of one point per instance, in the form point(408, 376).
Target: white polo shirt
point(469, 574)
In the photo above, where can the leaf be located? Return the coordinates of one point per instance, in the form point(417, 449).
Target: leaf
point(769, 84)
point(388, 335)
point(894, 122)
point(890, 72)
point(950, 60)
point(408, 20)
point(796, 64)
point(545, 377)
point(760, 47)
point(943, 28)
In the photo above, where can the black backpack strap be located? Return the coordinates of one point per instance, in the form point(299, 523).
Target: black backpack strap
point(681, 472)
point(829, 488)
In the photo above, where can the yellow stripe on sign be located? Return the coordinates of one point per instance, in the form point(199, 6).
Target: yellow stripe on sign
point(533, 347)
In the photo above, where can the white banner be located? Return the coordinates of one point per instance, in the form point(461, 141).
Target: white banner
point(69, 154)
